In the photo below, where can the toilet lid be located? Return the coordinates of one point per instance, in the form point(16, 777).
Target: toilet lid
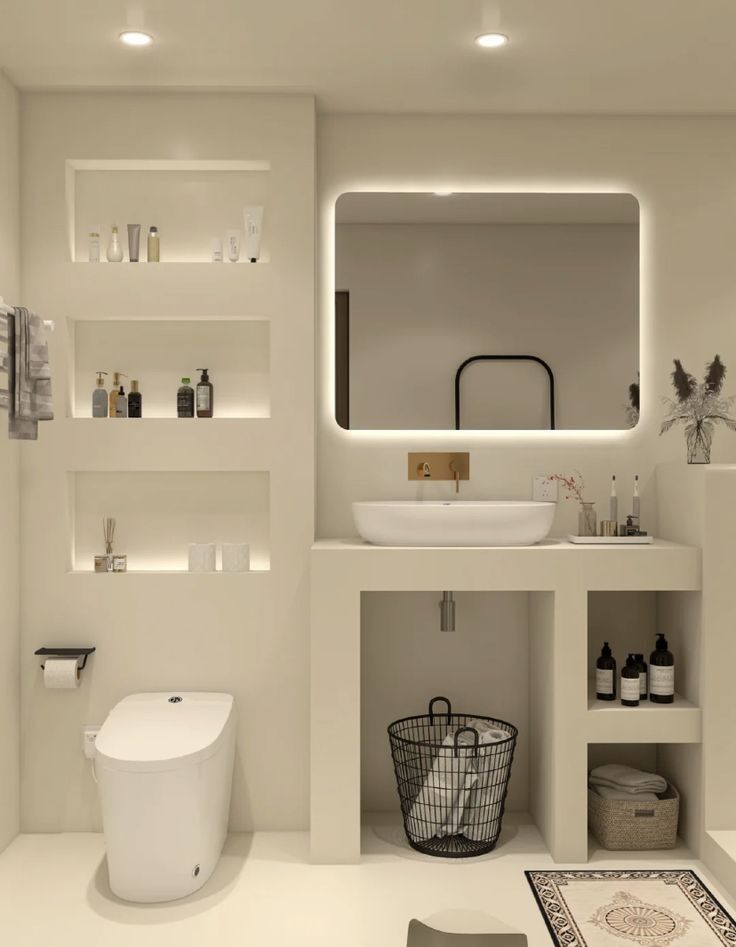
point(146, 732)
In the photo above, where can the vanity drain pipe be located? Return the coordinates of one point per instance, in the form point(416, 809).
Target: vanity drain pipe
point(447, 612)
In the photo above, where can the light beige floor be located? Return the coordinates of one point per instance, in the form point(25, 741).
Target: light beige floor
point(53, 890)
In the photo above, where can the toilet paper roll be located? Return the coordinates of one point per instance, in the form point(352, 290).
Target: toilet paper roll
point(202, 557)
point(235, 557)
point(61, 673)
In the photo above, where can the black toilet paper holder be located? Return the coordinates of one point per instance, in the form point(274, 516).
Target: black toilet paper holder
point(78, 653)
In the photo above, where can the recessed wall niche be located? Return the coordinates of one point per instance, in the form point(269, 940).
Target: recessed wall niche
point(159, 513)
point(158, 353)
point(190, 201)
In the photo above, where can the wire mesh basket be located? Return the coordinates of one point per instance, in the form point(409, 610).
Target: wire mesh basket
point(452, 774)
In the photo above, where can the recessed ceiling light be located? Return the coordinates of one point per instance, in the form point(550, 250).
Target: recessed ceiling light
point(442, 192)
point(491, 40)
point(136, 38)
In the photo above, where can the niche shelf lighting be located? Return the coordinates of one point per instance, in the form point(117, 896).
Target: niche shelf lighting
point(491, 40)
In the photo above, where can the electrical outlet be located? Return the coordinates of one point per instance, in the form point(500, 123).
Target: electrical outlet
point(545, 489)
point(89, 736)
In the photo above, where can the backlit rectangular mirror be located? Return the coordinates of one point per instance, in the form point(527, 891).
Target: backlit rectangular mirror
point(486, 311)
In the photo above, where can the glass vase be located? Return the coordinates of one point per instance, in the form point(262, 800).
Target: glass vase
point(698, 446)
point(587, 520)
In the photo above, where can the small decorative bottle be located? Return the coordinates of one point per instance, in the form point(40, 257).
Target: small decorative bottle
point(630, 683)
point(605, 674)
point(135, 400)
point(154, 245)
point(587, 520)
point(114, 247)
point(185, 400)
point(643, 682)
point(94, 244)
point(662, 673)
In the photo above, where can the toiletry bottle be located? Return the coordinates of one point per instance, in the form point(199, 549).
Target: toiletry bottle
point(154, 247)
point(613, 513)
point(232, 239)
point(116, 376)
point(94, 244)
point(643, 677)
point(135, 400)
point(661, 673)
point(205, 395)
point(216, 250)
point(114, 247)
point(635, 504)
point(100, 398)
point(121, 404)
point(605, 674)
point(185, 400)
point(630, 683)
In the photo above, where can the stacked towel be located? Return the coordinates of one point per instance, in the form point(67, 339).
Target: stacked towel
point(29, 389)
point(451, 794)
point(626, 780)
point(609, 793)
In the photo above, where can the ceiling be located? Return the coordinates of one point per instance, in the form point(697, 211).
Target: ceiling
point(573, 56)
point(368, 207)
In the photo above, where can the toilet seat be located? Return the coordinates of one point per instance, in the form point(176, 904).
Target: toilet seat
point(163, 731)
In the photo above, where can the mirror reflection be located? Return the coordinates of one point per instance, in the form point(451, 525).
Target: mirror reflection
point(486, 311)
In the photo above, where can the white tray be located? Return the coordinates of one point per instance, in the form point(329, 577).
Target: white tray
point(611, 540)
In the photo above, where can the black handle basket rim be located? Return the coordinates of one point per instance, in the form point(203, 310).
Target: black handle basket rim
point(434, 744)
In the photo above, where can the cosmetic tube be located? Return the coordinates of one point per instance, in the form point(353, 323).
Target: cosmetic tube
point(232, 241)
point(134, 242)
point(253, 226)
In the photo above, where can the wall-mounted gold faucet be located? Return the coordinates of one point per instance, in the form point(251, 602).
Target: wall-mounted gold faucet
point(440, 466)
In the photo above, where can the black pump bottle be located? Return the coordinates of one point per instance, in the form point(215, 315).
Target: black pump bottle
point(662, 673)
point(605, 674)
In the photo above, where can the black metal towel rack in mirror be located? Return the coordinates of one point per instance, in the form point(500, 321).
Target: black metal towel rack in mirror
point(506, 358)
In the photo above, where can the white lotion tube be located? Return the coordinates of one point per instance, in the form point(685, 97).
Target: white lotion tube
point(613, 510)
point(253, 227)
point(233, 245)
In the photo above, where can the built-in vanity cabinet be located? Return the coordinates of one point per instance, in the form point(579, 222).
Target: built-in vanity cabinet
point(568, 591)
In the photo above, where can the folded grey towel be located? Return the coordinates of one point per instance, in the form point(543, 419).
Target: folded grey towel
point(622, 794)
point(626, 778)
point(30, 378)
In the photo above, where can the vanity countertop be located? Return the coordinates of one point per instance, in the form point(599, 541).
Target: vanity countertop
point(552, 564)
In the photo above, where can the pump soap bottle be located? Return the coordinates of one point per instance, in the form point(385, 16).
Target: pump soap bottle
point(114, 391)
point(605, 674)
point(100, 402)
point(135, 400)
point(205, 395)
point(662, 673)
point(630, 683)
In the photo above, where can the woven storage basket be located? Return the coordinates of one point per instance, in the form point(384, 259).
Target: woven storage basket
point(621, 825)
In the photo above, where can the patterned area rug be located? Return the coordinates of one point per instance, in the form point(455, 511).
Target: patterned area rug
point(627, 908)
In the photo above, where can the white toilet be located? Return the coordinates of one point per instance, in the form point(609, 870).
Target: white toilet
point(164, 764)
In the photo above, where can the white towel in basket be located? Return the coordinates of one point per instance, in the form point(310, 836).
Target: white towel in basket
point(441, 804)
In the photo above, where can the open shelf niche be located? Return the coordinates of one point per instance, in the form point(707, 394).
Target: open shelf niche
point(160, 513)
point(190, 201)
point(160, 352)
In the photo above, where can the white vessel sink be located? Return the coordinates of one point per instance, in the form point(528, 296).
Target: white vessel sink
point(453, 523)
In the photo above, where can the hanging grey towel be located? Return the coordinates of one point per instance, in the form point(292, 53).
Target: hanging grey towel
point(29, 375)
point(4, 362)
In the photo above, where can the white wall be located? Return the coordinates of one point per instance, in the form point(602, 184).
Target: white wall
point(424, 297)
point(9, 490)
point(246, 634)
